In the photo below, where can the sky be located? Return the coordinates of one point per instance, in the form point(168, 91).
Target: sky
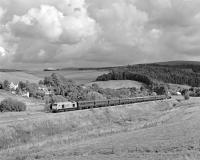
point(95, 33)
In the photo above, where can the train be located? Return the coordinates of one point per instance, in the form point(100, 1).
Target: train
point(80, 105)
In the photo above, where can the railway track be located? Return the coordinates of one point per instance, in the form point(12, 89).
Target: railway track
point(31, 116)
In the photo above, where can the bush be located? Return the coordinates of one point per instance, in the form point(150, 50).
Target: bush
point(186, 96)
point(40, 94)
point(12, 105)
point(154, 94)
point(6, 85)
point(160, 89)
point(1, 85)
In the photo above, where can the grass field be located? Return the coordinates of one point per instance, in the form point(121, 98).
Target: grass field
point(34, 76)
point(82, 77)
point(161, 130)
point(116, 84)
point(18, 76)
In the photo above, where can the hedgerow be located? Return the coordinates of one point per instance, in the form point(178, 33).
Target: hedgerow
point(12, 105)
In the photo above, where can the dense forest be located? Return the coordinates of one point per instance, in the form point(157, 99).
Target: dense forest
point(150, 73)
point(125, 75)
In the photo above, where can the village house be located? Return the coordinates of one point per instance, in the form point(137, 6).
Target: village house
point(13, 86)
point(25, 94)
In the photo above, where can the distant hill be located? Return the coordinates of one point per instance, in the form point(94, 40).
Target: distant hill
point(10, 70)
point(87, 68)
point(177, 72)
point(172, 63)
point(169, 63)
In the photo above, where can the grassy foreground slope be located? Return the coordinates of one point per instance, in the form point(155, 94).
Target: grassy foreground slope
point(152, 130)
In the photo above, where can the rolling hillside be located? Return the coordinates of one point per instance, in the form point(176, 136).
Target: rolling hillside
point(18, 76)
point(179, 72)
point(161, 130)
point(172, 63)
point(80, 76)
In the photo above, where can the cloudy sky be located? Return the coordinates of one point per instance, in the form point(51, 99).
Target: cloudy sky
point(47, 33)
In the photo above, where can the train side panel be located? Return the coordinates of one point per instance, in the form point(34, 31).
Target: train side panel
point(103, 103)
point(85, 104)
point(114, 102)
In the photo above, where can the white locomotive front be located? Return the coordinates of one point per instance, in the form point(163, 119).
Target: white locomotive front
point(63, 106)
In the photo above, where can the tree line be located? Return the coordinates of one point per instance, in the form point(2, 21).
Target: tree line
point(150, 73)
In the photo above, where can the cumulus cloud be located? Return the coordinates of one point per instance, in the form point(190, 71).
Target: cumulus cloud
point(2, 12)
point(2, 52)
point(2, 43)
point(96, 32)
point(41, 32)
point(121, 22)
point(51, 24)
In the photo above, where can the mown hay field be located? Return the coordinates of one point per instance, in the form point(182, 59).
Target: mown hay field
point(117, 84)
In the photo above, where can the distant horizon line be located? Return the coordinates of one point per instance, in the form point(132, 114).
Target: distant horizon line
point(100, 67)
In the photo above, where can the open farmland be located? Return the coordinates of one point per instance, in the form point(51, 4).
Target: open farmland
point(81, 77)
point(18, 76)
point(152, 130)
point(116, 84)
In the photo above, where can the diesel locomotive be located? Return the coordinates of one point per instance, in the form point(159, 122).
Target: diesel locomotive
point(66, 106)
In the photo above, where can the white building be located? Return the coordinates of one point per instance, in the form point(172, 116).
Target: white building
point(13, 86)
point(178, 93)
point(25, 94)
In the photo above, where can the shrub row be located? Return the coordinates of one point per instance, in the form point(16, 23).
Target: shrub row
point(12, 105)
